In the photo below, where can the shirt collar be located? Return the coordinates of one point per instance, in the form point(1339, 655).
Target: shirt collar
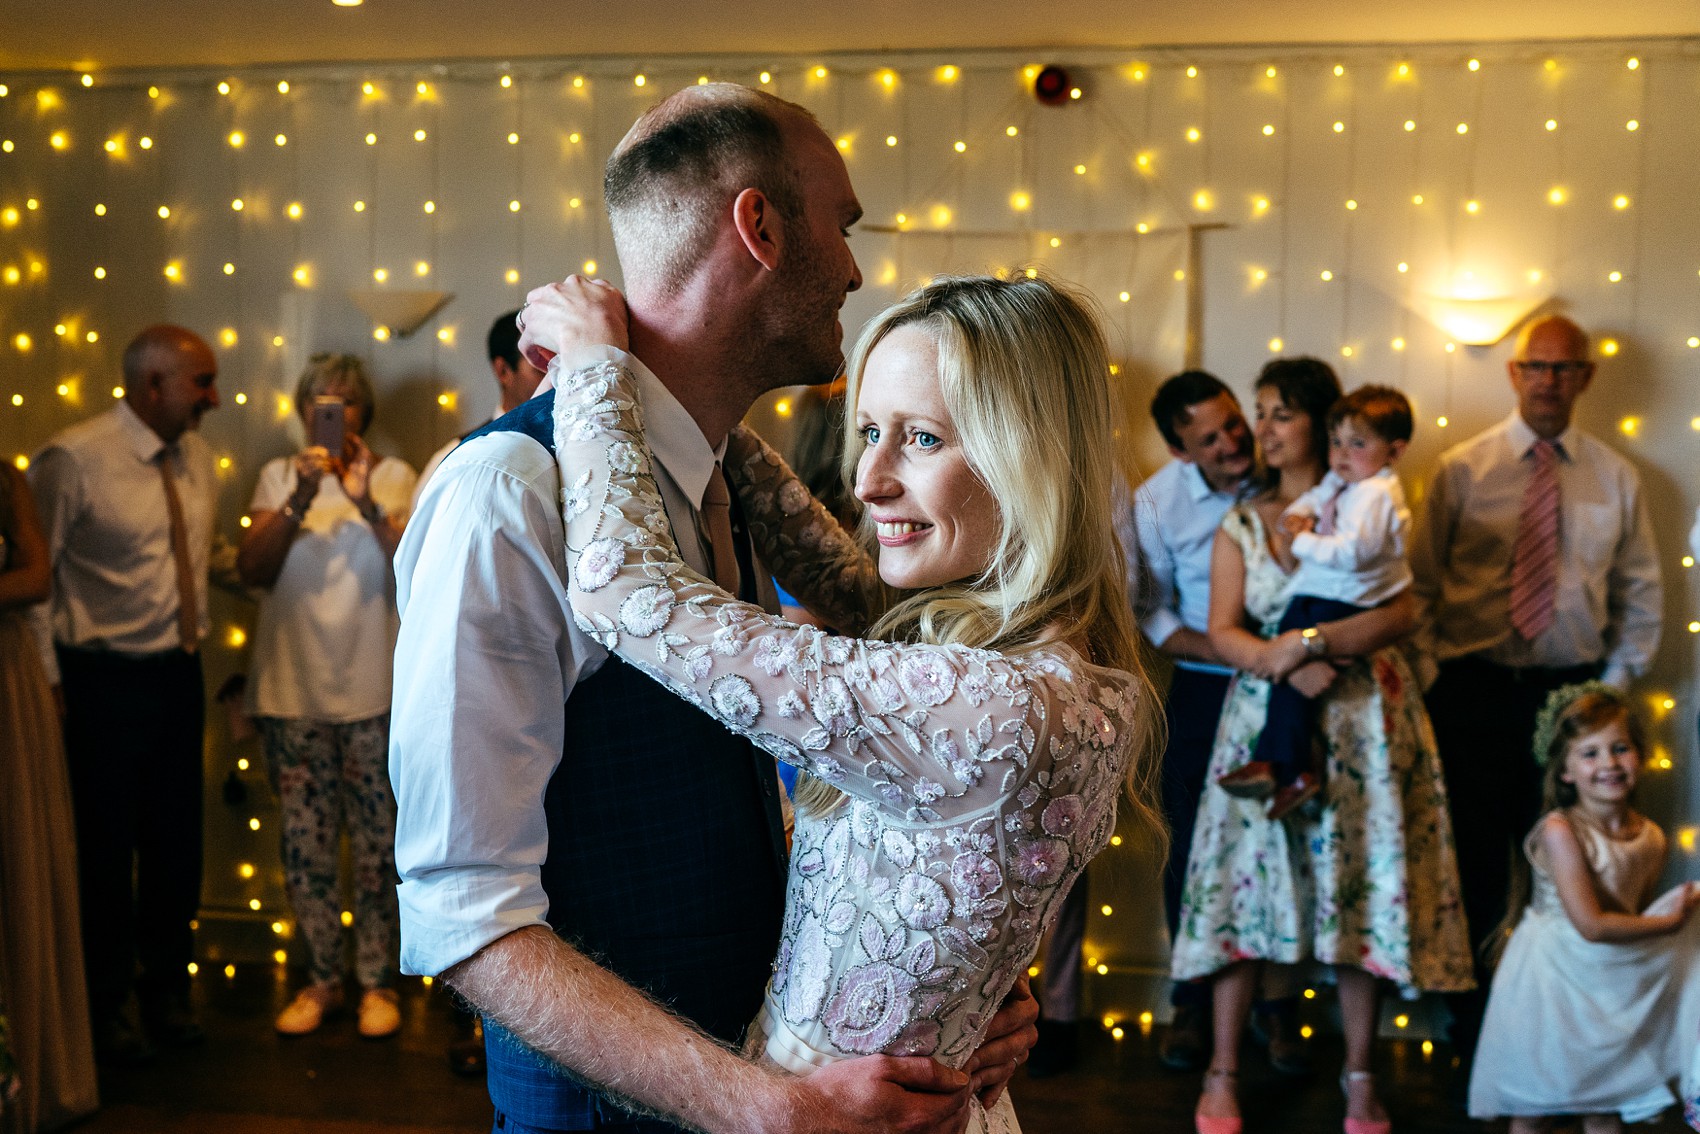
point(672, 433)
point(139, 438)
point(1522, 438)
point(1198, 489)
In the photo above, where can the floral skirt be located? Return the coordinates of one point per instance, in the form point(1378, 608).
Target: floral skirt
point(1363, 876)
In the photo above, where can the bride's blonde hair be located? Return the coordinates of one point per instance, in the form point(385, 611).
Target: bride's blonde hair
point(1025, 373)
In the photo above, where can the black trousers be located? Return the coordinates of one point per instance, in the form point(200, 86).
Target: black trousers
point(133, 741)
point(1484, 725)
point(1192, 710)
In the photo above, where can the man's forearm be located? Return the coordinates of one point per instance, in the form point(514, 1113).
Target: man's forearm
point(577, 1013)
point(567, 1007)
point(1190, 645)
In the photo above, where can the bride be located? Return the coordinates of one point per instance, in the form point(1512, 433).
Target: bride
point(963, 747)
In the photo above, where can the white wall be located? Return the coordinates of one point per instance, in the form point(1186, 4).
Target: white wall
point(1281, 197)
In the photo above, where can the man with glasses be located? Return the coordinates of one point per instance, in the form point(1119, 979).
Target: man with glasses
point(1535, 568)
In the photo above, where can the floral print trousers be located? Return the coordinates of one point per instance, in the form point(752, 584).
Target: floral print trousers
point(330, 777)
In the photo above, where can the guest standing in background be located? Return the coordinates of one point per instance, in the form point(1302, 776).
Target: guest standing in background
point(41, 967)
point(126, 502)
point(1363, 878)
point(1535, 569)
point(325, 529)
point(1168, 531)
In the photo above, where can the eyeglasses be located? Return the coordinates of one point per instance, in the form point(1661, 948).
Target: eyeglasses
point(1559, 370)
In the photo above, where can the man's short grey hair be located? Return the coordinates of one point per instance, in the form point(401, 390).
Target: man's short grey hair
point(684, 162)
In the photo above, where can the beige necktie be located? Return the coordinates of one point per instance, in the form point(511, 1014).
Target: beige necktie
point(1534, 557)
point(716, 522)
point(188, 610)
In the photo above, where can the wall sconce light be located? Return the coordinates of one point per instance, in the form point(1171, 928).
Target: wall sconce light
point(1478, 322)
point(399, 311)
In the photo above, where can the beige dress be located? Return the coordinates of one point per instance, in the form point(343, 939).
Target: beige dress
point(1589, 1027)
point(41, 959)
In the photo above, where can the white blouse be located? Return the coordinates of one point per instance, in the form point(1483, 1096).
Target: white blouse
point(325, 641)
point(979, 784)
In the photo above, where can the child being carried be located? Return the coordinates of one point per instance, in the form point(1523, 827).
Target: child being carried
point(1349, 535)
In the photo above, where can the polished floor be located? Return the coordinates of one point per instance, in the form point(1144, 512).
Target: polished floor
point(247, 1079)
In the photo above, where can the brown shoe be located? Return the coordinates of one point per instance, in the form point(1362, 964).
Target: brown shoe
point(1304, 788)
point(1255, 780)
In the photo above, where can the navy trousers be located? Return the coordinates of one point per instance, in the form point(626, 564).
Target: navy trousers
point(1192, 710)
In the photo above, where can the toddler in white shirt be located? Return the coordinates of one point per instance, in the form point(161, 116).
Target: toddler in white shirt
point(1349, 536)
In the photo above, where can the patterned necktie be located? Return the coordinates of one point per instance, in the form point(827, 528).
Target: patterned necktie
point(188, 609)
point(1534, 559)
point(716, 523)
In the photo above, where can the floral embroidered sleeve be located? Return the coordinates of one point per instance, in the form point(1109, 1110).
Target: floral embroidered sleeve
point(808, 550)
point(926, 733)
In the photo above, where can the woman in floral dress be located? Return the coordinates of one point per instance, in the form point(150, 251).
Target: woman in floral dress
point(1364, 879)
point(963, 757)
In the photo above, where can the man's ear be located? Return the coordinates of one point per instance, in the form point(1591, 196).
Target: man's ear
point(759, 227)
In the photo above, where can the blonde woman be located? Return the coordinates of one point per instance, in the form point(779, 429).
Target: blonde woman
point(963, 756)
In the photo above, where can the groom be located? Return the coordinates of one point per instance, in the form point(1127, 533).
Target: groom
point(604, 883)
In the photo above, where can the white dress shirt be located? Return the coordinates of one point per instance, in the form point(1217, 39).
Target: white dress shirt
point(1610, 595)
point(1167, 535)
point(1362, 561)
point(326, 633)
point(103, 508)
point(487, 655)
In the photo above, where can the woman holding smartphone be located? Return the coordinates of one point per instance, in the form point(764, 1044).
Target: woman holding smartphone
point(325, 525)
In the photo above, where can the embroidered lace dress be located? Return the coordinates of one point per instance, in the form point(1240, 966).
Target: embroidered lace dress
point(978, 784)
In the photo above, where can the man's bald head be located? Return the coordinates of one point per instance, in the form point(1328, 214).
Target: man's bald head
point(1549, 371)
point(169, 379)
point(679, 168)
point(1553, 328)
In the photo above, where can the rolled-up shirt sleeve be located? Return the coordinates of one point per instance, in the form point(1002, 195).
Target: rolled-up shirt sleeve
point(484, 663)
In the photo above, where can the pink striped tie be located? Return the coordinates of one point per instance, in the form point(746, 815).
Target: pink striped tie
point(1534, 559)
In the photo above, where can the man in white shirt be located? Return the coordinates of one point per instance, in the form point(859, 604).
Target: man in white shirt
point(1535, 568)
point(127, 501)
point(515, 376)
point(530, 838)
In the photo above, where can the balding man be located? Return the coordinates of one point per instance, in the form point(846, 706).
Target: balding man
point(1536, 568)
point(605, 882)
point(127, 502)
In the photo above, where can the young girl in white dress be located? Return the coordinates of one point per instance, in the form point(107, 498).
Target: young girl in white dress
point(1592, 1011)
point(965, 752)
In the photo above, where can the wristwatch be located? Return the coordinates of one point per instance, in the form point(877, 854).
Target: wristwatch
point(1316, 645)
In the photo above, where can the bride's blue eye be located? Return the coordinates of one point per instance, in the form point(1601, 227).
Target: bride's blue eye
point(870, 434)
point(926, 440)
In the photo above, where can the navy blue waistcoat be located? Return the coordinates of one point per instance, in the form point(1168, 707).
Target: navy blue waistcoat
point(666, 862)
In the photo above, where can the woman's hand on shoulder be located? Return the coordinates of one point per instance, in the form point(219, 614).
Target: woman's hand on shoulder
point(577, 312)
